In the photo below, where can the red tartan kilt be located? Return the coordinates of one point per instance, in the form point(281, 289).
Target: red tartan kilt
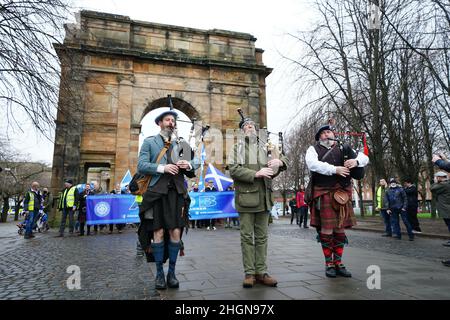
point(328, 217)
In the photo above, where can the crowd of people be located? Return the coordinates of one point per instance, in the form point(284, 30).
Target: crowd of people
point(328, 198)
point(71, 205)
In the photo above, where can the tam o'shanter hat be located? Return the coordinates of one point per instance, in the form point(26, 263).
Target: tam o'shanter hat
point(322, 128)
point(167, 112)
point(69, 181)
point(330, 126)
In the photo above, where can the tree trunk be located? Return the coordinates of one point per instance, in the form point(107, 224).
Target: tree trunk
point(360, 195)
point(4, 215)
point(17, 208)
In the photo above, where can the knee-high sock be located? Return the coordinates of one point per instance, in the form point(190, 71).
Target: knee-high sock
point(338, 247)
point(174, 248)
point(327, 247)
point(158, 254)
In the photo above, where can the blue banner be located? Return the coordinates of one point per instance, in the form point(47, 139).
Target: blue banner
point(212, 205)
point(106, 209)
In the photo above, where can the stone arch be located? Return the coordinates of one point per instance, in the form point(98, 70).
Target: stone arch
point(122, 69)
point(178, 104)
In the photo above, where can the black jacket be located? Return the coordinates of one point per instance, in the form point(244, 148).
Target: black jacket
point(412, 196)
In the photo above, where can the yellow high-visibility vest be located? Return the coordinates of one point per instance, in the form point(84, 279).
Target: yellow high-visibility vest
point(139, 199)
point(69, 194)
point(31, 202)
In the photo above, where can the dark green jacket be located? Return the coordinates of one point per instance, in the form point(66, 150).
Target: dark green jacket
point(441, 192)
point(251, 194)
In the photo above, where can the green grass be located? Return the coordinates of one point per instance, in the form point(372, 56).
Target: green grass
point(424, 215)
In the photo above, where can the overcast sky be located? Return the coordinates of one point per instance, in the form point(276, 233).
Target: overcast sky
point(267, 20)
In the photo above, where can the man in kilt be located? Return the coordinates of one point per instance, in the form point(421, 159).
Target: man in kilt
point(163, 209)
point(331, 199)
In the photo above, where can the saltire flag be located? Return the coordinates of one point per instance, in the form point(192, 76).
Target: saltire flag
point(220, 180)
point(125, 180)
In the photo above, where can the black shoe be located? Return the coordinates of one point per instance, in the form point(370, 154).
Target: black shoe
point(306, 227)
point(342, 271)
point(446, 263)
point(172, 281)
point(397, 237)
point(386, 235)
point(446, 244)
point(59, 236)
point(411, 239)
point(160, 282)
point(330, 272)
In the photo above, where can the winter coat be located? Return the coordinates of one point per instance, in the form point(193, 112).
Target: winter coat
point(441, 192)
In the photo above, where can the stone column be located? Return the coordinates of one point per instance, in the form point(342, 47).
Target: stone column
point(124, 118)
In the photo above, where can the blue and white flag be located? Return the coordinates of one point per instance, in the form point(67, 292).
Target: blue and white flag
point(111, 208)
point(220, 180)
point(125, 180)
point(201, 182)
point(212, 205)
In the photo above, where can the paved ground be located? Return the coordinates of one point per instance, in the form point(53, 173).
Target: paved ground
point(212, 267)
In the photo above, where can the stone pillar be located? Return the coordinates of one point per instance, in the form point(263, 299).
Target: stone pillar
point(124, 118)
point(69, 125)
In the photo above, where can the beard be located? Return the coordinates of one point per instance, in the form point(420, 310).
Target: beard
point(327, 143)
point(250, 133)
point(167, 133)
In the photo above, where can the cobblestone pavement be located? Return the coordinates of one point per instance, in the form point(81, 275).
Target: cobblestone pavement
point(109, 268)
point(212, 267)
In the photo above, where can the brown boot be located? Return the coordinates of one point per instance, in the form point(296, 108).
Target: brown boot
point(266, 280)
point(249, 281)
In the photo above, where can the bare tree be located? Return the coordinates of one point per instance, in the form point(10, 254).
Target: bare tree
point(16, 177)
point(374, 83)
point(29, 66)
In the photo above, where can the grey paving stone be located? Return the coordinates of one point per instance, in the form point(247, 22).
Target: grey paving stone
point(299, 293)
point(261, 293)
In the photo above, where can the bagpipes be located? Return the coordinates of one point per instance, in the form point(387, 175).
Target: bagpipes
point(348, 152)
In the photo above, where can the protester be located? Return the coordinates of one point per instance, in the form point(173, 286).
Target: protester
point(32, 204)
point(302, 207)
point(96, 190)
point(196, 223)
point(252, 174)
point(119, 226)
point(381, 191)
point(47, 201)
point(164, 207)
point(331, 181)
point(413, 204)
point(441, 192)
point(293, 206)
point(396, 203)
point(82, 211)
point(210, 188)
point(68, 205)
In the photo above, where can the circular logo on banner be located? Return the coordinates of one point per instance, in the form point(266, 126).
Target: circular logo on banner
point(102, 209)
